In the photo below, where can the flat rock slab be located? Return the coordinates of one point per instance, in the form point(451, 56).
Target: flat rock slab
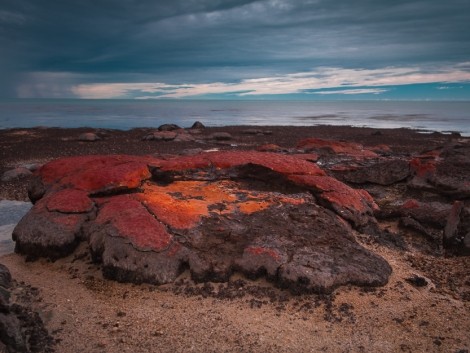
point(148, 219)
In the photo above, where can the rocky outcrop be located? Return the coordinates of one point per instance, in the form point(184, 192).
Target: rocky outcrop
point(21, 330)
point(443, 171)
point(259, 213)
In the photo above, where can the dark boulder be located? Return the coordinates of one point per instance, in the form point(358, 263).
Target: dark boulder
point(198, 126)
point(168, 127)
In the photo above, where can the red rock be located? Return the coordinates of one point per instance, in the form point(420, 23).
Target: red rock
point(130, 220)
point(282, 164)
point(354, 205)
point(69, 201)
point(423, 168)
point(214, 212)
point(96, 173)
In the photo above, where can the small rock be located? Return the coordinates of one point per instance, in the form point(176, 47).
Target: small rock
point(15, 174)
point(220, 136)
point(417, 281)
point(161, 136)
point(184, 138)
point(168, 127)
point(89, 137)
point(31, 166)
point(198, 126)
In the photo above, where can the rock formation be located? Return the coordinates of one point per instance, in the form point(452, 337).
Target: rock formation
point(148, 219)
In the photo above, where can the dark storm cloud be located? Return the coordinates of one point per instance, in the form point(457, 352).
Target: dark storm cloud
point(206, 41)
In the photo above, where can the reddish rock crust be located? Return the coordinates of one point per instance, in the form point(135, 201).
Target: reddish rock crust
point(260, 213)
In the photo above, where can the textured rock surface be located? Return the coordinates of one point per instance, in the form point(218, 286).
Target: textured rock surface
point(21, 330)
point(148, 219)
point(382, 172)
point(12, 174)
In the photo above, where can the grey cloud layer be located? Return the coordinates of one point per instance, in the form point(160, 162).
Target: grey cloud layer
point(205, 41)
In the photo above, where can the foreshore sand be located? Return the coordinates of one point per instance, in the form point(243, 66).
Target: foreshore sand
point(84, 312)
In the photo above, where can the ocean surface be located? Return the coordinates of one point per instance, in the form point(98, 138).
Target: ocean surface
point(10, 214)
point(128, 114)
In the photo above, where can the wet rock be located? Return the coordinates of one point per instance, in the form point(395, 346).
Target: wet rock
point(16, 173)
point(214, 213)
point(198, 126)
point(168, 127)
point(89, 137)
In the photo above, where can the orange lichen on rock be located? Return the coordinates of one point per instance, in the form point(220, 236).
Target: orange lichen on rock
point(181, 204)
point(249, 207)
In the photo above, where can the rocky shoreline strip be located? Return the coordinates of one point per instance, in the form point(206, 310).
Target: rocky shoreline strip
point(397, 197)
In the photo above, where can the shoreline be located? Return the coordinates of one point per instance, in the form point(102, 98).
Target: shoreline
point(85, 312)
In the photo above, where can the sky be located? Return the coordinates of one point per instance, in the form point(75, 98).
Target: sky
point(235, 49)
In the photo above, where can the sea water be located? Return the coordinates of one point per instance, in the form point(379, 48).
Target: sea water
point(128, 114)
point(10, 214)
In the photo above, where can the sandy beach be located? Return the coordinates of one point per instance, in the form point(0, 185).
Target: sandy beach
point(84, 312)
